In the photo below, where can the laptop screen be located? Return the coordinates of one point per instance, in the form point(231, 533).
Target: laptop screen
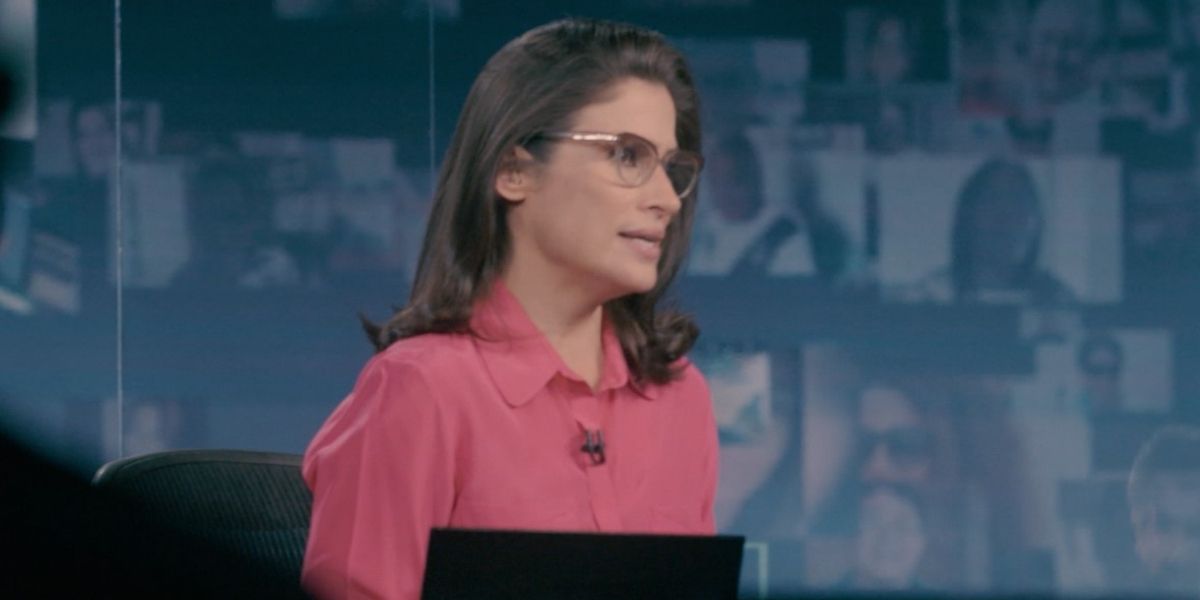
point(533, 565)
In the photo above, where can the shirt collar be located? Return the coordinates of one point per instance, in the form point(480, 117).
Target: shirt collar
point(521, 360)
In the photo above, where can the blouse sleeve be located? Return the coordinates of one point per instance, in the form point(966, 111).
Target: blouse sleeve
point(711, 455)
point(381, 470)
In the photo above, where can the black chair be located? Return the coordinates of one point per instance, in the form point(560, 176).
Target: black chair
point(254, 504)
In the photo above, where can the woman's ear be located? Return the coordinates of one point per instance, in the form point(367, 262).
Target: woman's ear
point(514, 179)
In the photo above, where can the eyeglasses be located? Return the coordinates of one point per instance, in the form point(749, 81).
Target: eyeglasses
point(905, 446)
point(636, 158)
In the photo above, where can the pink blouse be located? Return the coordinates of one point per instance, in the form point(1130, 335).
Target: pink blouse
point(486, 431)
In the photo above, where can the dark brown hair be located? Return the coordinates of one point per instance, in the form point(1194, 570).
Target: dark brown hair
point(975, 192)
point(534, 84)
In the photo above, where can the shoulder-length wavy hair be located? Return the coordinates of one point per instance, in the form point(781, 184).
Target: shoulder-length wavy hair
point(537, 83)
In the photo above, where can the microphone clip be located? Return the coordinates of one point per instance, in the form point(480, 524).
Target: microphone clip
point(593, 445)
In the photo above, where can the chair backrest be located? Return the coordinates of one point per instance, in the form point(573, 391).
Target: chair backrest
point(256, 504)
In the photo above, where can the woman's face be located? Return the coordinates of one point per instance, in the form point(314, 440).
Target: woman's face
point(577, 223)
point(1061, 52)
point(94, 141)
point(891, 539)
point(895, 444)
point(1005, 223)
point(890, 55)
point(1166, 527)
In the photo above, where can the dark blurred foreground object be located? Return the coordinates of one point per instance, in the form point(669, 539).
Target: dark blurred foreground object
point(254, 505)
point(69, 539)
point(876, 595)
point(7, 89)
point(538, 565)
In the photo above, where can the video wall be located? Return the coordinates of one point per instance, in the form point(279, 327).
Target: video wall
point(945, 261)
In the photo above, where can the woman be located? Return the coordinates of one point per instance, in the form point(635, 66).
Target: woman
point(998, 228)
point(995, 244)
point(531, 383)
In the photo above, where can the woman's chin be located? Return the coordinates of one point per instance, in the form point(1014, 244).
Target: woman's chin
point(641, 285)
point(626, 282)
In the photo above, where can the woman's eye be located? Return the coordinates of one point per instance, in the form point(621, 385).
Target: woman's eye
point(629, 154)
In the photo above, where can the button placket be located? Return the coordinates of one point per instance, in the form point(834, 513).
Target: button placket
point(586, 411)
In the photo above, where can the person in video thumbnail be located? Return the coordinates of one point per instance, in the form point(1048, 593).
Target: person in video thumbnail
point(1164, 502)
point(995, 243)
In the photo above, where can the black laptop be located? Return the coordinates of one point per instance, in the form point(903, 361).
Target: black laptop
point(466, 563)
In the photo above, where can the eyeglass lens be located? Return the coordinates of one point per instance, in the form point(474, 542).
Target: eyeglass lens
point(636, 160)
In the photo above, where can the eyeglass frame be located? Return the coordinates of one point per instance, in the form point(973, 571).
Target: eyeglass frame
point(906, 446)
point(597, 137)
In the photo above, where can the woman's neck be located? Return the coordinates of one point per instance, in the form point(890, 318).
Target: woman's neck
point(571, 320)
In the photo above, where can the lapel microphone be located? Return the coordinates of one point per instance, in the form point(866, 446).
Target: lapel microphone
point(593, 445)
